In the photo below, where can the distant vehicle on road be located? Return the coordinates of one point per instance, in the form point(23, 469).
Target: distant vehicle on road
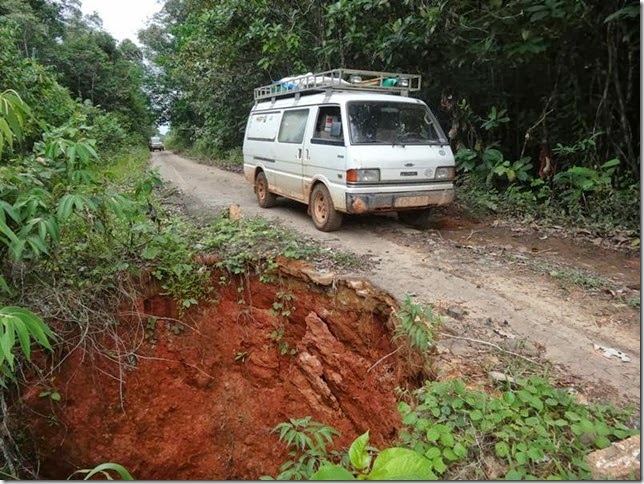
point(155, 143)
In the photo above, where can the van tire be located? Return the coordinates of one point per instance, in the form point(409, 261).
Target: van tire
point(324, 215)
point(421, 219)
point(265, 199)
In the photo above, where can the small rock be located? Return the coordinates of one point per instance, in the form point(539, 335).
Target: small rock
point(498, 376)
point(321, 278)
point(620, 461)
point(442, 350)
point(494, 469)
point(449, 325)
point(522, 347)
point(504, 334)
point(234, 212)
point(456, 312)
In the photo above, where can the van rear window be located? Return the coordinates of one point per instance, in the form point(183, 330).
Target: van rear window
point(293, 126)
point(263, 126)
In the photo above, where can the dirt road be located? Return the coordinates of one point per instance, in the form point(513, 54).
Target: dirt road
point(500, 283)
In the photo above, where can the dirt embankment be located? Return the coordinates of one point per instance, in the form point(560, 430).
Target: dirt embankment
point(196, 397)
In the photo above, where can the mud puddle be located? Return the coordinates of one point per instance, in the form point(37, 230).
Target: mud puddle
point(196, 397)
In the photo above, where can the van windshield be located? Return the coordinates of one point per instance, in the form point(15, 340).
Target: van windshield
point(393, 123)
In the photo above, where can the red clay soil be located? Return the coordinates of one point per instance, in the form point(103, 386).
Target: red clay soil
point(200, 403)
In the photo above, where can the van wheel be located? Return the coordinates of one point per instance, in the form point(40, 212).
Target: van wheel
point(325, 217)
point(265, 199)
point(420, 219)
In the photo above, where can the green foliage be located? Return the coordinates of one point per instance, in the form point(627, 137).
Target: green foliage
point(392, 464)
point(53, 395)
point(104, 471)
point(308, 440)
point(578, 181)
point(13, 114)
point(533, 429)
point(495, 119)
point(512, 171)
point(277, 336)
point(24, 326)
point(282, 306)
point(416, 325)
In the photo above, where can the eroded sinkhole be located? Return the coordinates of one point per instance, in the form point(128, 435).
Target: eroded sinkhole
point(198, 400)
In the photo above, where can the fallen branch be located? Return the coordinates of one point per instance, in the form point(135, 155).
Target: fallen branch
point(487, 343)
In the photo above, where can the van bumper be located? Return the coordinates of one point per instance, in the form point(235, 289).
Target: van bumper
point(389, 202)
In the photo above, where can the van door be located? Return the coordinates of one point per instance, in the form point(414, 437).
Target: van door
point(325, 153)
point(289, 153)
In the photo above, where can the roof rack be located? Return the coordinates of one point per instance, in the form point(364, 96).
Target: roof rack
point(341, 80)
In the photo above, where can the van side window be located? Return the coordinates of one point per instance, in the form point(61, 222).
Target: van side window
point(293, 125)
point(328, 127)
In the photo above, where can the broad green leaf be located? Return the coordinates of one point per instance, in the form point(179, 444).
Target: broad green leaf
point(438, 465)
point(331, 472)
point(513, 475)
point(358, 455)
point(38, 329)
point(602, 442)
point(476, 415)
point(501, 449)
point(433, 435)
point(450, 455)
point(535, 453)
point(447, 439)
point(23, 336)
point(65, 205)
point(401, 464)
point(460, 450)
point(432, 453)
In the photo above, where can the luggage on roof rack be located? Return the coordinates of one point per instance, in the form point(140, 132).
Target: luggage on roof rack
point(341, 80)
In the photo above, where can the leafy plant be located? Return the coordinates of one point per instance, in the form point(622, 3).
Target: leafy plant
point(578, 181)
point(104, 470)
point(277, 336)
point(532, 429)
point(51, 394)
point(512, 171)
point(13, 114)
point(495, 119)
point(415, 325)
point(308, 440)
point(282, 305)
point(25, 326)
point(582, 146)
point(392, 464)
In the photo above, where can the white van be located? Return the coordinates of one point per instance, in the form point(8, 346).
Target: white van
point(348, 141)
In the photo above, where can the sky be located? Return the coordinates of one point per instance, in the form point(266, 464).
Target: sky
point(122, 18)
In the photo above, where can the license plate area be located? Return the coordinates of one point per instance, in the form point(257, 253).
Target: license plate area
point(411, 201)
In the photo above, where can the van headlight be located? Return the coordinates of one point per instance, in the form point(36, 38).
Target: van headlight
point(445, 173)
point(363, 175)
